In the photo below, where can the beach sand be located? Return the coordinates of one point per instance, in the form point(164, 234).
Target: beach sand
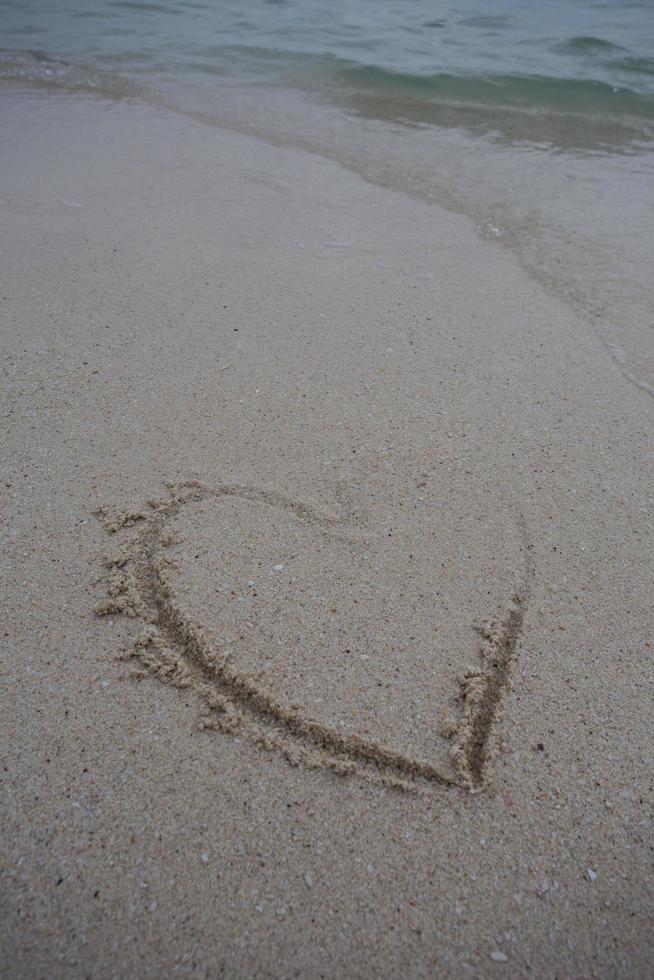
point(376, 510)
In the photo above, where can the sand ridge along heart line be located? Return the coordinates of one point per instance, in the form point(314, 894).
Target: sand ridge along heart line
point(176, 650)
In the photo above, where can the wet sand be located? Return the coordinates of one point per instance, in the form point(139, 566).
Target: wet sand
point(366, 514)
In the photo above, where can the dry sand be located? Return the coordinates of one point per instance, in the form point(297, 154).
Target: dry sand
point(395, 570)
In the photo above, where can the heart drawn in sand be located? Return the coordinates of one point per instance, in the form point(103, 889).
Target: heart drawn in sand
point(339, 644)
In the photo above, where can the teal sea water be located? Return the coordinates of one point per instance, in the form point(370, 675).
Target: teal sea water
point(568, 55)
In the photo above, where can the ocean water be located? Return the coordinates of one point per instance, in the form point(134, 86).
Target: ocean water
point(534, 118)
point(572, 55)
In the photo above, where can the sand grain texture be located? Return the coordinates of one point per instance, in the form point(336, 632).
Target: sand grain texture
point(445, 443)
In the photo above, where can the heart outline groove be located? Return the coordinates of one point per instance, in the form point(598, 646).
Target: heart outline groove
point(176, 649)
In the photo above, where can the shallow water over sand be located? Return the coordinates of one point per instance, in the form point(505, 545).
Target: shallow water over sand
point(537, 122)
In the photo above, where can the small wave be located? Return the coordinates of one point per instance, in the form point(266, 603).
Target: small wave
point(483, 90)
point(640, 66)
point(513, 91)
point(587, 44)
